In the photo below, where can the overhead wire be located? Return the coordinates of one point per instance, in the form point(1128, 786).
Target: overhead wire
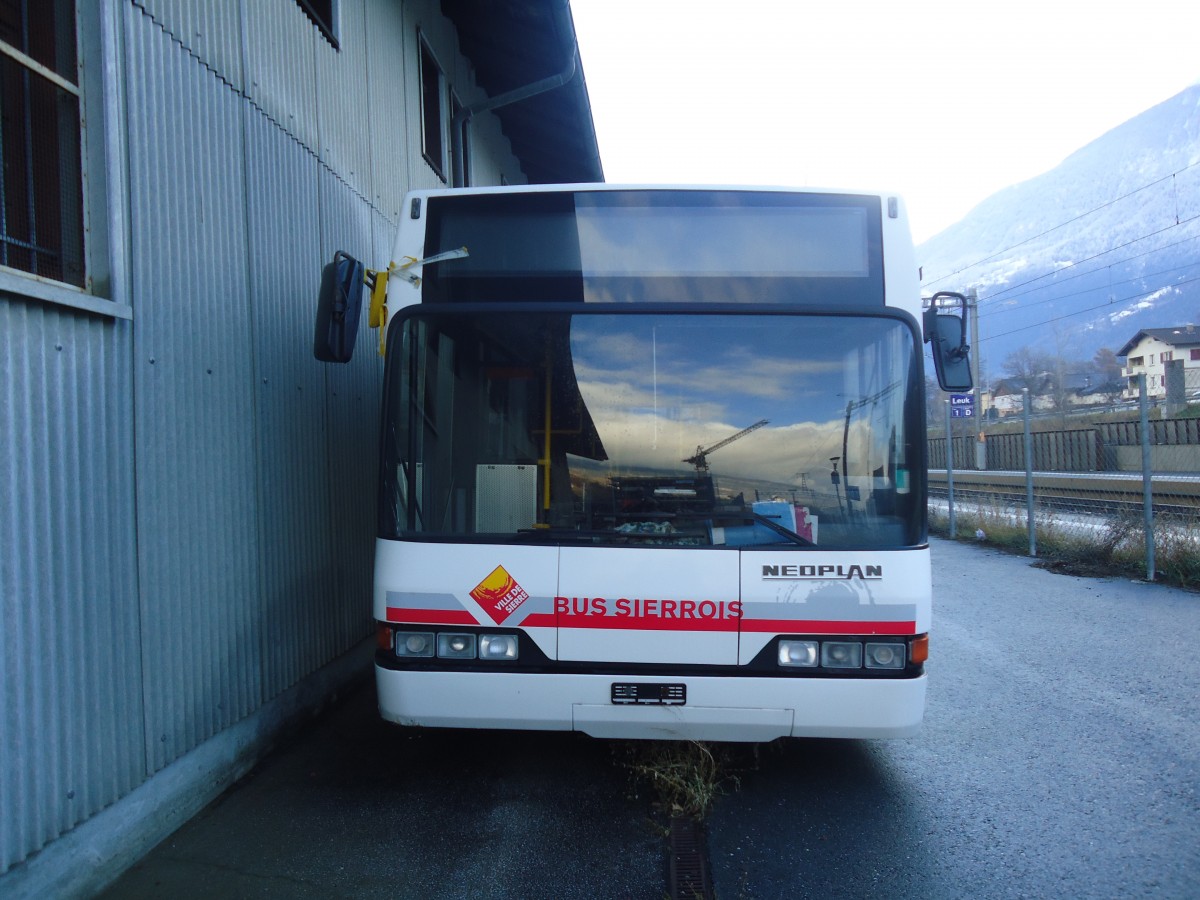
point(1000, 293)
point(1070, 221)
point(1006, 291)
point(1004, 294)
point(1111, 301)
point(1080, 312)
point(995, 312)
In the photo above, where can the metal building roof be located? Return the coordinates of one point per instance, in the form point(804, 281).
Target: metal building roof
point(1179, 336)
point(513, 43)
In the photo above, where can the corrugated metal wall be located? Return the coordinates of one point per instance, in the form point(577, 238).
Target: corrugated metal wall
point(296, 578)
point(71, 697)
point(189, 497)
point(393, 123)
point(193, 367)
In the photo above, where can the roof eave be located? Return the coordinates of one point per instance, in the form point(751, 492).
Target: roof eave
point(513, 43)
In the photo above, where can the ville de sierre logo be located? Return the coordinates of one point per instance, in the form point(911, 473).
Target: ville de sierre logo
point(499, 594)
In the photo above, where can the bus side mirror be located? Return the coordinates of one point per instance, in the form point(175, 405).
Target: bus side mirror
point(947, 336)
point(338, 306)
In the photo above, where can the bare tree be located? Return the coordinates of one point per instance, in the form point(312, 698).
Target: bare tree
point(1072, 384)
point(1107, 365)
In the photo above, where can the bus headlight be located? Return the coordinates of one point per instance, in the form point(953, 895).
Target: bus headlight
point(413, 643)
point(885, 656)
point(456, 646)
point(841, 654)
point(798, 653)
point(498, 646)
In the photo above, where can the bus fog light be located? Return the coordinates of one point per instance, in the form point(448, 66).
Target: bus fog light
point(456, 646)
point(841, 654)
point(498, 646)
point(413, 643)
point(798, 653)
point(885, 656)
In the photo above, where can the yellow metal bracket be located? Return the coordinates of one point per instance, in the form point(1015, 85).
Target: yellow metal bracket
point(377, 314)
point(377, 281)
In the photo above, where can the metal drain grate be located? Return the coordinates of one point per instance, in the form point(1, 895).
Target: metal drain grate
point(689, 868)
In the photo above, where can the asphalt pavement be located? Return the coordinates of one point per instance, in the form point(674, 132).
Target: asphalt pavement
point(357, 808)
point(1060, 757)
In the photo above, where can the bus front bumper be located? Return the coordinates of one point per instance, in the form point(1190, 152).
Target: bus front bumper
point(716, 708)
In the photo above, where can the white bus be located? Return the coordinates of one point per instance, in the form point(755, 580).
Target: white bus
point(653, 463)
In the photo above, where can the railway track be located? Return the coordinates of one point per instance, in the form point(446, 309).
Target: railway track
point(1090, 492)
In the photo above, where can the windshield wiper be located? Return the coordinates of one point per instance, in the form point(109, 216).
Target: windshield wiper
point(783, 530)
point(406, 272)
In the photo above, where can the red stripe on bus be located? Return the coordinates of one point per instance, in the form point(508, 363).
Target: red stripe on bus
point(825, 626)
point(646, 623)
point(431, 616)
point(659, 623)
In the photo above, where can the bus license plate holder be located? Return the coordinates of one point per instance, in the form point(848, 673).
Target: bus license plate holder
point(644, 693)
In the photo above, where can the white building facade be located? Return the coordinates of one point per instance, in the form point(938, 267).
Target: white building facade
point(1148, 353)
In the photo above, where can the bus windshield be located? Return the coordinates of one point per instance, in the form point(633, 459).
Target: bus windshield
point(638, 428)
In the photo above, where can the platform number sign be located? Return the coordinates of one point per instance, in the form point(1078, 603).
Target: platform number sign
point(962, 406)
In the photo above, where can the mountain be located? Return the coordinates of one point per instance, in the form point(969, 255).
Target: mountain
point(1082, 257)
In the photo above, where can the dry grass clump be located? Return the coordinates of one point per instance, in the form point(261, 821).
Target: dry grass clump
point(1117, 548)
point(686, 776)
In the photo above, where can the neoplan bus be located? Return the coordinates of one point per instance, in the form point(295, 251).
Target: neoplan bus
point(652, 462)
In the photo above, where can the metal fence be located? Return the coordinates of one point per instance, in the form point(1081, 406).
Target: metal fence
point(1125, 496)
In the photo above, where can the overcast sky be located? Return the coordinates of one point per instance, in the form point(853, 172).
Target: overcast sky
point(943, 102)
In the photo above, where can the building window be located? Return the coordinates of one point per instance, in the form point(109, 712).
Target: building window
point(433, 115)
point(323, 14)
point(41, 181)
point(1166, 357)
point(1194, 353)
point(1135, 361)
